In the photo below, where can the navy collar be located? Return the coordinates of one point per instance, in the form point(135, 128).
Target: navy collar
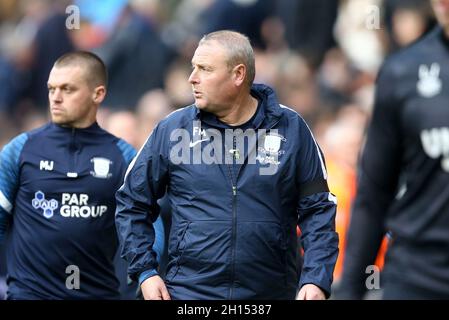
point(268, 111)
point(94, 127)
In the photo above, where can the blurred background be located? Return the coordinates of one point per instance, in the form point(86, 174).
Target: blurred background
point(321, 56)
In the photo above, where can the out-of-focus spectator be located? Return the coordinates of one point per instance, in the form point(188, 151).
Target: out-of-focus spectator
point(29, 47)
point(245, 16)
point(355, 29)
point(51, 41)
point(334, 79)
point(123, 124)
point(7, 129)
point(135, 55)
point(340, 82)
point(183, 31)
point(296, 84)
point(406, 21)
point(266, 68)
point(8, 92)
point(33, 119)
point(309, 26)
point(176, 85)
point(152, 108)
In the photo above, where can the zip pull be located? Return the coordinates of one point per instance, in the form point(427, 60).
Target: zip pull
point(235, 153)
point(234, 190)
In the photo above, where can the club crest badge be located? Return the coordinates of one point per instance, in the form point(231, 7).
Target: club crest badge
point(271, 150)
point(101, 168)
point(272, 143)
point(429, 83)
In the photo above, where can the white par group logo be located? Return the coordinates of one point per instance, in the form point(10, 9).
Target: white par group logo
point(72, 205)
point(76, 205)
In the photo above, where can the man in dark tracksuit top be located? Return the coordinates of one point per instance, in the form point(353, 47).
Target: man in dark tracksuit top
point(234, 213)
point(57, 187)
point(404, 175)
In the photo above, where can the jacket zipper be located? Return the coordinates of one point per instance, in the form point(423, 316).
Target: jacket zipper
point(72, 148)
point(234, 219)
point(234, 213)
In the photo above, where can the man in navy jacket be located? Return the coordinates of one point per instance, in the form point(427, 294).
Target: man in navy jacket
point(241, 172)
point(57, 186)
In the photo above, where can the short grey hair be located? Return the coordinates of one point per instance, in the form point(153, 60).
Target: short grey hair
point(239, 50)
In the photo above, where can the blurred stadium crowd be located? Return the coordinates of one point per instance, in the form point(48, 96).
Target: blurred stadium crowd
point(321, 56)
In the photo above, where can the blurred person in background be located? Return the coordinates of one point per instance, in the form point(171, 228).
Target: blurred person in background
point(176, 86)
point(309, 27)
point(355, 29)
point(123, 125)
point(23, 40)
point(51, 40)
point(245, 16)
point(406, 21)
point(152, 107)
point(403, 185)
point(135, 55)
point(57, 186)
point(296, 84)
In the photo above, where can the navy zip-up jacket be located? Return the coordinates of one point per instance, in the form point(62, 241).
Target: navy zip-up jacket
point(235, 206)
point(57, 188)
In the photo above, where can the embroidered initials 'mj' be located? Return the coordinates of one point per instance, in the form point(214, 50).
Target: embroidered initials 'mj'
point(46, 165)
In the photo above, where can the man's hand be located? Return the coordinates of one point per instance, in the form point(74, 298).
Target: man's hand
point(154, 288)
point(310, 292)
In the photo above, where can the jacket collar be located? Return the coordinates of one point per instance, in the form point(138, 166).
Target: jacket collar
point(94, 127)
point(268, 110)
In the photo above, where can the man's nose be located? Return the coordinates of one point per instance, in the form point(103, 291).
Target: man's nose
point(193, 79)
point(56, 96)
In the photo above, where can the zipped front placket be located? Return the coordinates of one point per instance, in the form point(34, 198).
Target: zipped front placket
point(72, 173)
point(236, 154)
point(234, 216)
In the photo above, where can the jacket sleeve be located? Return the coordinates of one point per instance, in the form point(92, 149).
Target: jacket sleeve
point(137, 208)
point(9, 180)
point(316, 214)
point(378, 177)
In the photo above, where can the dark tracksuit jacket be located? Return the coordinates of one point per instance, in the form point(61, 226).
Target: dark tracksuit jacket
point(57, 207)
point(404, 174)
point(235, 205)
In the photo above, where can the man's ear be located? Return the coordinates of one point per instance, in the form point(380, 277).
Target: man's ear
point(99, 94)
point(239, 72)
